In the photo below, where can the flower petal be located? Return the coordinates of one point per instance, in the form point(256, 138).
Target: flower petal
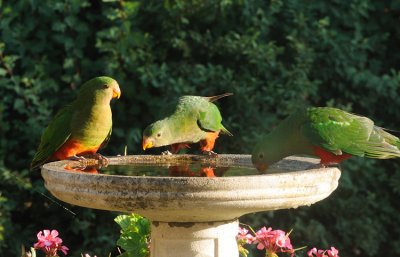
point(54, 233)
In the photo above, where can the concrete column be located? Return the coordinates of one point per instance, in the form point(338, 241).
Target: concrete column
point(194, 239)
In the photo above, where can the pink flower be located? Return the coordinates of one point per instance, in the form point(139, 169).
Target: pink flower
point(273, 241)
point(244, 236)
point(50, 243)
point(314, 252)
point(333, 252)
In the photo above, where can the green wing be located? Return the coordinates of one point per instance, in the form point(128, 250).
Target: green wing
point(54, 136)
point(210, 119)
point(382, 145)
point(339, 131)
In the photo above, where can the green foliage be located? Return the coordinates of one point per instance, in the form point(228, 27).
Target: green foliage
point(275, 56)
point(135, 235)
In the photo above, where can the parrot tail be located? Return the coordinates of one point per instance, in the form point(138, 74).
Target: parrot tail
point(225, 131)
point(216, 97)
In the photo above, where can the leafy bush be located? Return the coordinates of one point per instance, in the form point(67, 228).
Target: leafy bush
point(275, 56)
point(135, 235)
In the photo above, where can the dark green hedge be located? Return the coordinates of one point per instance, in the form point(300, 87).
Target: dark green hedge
point(275, 56)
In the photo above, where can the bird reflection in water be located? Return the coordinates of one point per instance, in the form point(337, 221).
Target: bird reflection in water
point(186, 171)
point(87, 169)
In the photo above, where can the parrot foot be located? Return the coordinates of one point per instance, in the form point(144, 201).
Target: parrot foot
point(166, 153)
point(77, 158)
point(210, 153)
point(82, 163)
point(321, 166)
point(333, 165)
point(86, 162)
point(102, 160)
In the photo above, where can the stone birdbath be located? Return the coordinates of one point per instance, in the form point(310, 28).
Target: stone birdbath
point(193, 216)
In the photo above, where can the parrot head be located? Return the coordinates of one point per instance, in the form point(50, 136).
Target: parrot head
point(262, 157)
point(100, 89)
point(156, 134)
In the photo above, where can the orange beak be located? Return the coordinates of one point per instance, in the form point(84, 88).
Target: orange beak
point(261, 167)
point(147, 143)
point(116, 92)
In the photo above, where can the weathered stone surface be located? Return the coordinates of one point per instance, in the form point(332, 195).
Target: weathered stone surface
point(199, 239)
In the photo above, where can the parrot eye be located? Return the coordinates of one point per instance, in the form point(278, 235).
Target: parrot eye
point(106, 86)
point(159, 135)
point(260, 155)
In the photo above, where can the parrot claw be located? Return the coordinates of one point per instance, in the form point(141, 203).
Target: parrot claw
point(77, 158)
point(102, 160)
point(82, 163)
point(210, 153)
point(87, 164)
point(166, 153)
point(332, 165)
point(322, 166)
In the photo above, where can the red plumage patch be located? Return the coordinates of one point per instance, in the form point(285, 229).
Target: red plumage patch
point(208, 143)
point(71, 148)
point(328, 158)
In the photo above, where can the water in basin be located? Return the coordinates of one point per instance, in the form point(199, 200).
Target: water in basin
point(189, 166)
point(173, 168)
point(183, 170)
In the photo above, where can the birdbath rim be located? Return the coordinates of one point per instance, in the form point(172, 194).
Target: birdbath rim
point(194, 199)
point(290, 164)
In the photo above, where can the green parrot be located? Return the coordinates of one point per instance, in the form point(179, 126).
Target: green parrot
point(331, 134)
point(195, 119)
point(82, 127)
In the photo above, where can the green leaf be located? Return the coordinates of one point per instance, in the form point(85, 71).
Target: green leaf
point(3, 72)
point(135, 233)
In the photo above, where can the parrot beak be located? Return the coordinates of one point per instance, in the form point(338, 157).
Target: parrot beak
point(147, 143)
point(116, 93)
point(261, 167)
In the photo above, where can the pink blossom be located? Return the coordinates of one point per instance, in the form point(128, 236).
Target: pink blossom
point(50, 243)
point(314, 252)
point(273, 241)
point(333, 252)
point(244, 236)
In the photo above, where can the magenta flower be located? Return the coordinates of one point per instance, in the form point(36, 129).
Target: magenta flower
point(333, 252)
point(244, 236)
point(273, 241)
point(50, 243)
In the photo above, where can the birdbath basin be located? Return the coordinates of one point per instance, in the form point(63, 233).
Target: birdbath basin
point(192, 216)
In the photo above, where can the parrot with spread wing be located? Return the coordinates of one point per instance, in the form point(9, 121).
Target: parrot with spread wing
point(82, 127)
point(195, 119)
point(331, 134)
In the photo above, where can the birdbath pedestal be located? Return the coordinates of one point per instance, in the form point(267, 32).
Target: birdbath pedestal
point(194, 216)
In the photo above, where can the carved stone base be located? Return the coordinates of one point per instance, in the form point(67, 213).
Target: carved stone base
point(192, 239)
